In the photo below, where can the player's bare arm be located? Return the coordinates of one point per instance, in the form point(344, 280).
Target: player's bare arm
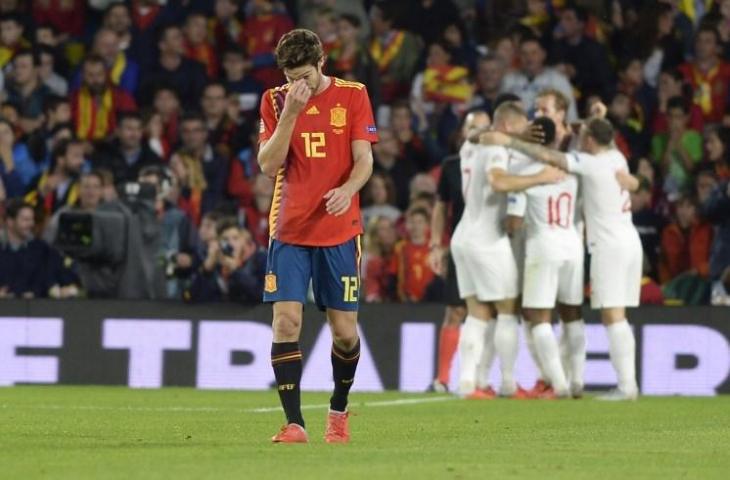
point(340, 198)
point(627, 181)
point(436, 252)
point(502, 181)
point(542, 154)
point(273, 152)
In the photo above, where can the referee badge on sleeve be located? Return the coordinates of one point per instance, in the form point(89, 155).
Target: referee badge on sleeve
point(270, 283)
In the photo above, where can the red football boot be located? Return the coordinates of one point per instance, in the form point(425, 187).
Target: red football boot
point(337, 430)
point(482, 394)
point(292, 433)
point(521, 394)
point(538, 389)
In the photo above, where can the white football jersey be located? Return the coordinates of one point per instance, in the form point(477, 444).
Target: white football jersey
point(549, 214)
point(607, 207)
point(484, 209)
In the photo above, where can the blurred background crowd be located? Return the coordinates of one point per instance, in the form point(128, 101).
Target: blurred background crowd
point(128, 132)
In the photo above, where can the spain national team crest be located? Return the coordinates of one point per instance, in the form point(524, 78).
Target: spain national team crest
point(270, 283)
point(338, 116)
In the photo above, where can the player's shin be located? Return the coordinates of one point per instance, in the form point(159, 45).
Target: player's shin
point(529, 340)
point(471, 346)
point(448, 343)
point(622, 349)
point(575, 339)
point(286, 358)
point(484, 365)
point(506, 338)
point(546, 346)
point(344, 365)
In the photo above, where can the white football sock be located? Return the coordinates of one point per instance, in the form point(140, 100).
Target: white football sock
point(546, 346)
point(564, 347)
point(541, 375)
point(622, 348)
point(487, 358)
point(471, 345)
point(575, 333)
point(506, 336)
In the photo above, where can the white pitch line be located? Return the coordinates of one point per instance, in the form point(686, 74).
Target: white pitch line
point(380, 403)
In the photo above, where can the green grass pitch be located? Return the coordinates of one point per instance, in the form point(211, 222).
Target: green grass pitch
point(110, 432)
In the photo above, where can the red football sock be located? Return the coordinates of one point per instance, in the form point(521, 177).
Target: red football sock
point(448, 343)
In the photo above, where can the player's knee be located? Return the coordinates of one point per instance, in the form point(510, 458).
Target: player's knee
point(454, 315)
point(287, 325)
point(345, 339)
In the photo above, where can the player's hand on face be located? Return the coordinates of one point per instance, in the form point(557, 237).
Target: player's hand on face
point(551, 174)
point(338, 201)
point(494, 138)
point(297, 97)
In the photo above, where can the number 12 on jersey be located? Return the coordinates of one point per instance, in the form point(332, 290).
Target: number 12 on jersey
point(314, 143)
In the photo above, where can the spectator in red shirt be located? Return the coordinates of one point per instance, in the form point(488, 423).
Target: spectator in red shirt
point(671, 84)
point(380, 240)
point(256, 216)
point(197, 46)
point(261, 32)
point(414, 277)
point(97, 102)
point(67, 16)
point(685, 243)
point(708, 74)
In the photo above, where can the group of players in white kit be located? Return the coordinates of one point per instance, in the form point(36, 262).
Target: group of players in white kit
point(505, 272)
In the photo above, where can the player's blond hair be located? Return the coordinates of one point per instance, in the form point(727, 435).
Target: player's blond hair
point(509, 111)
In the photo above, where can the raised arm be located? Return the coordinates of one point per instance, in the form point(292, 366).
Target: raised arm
point(532, 150)
point(501, 181)
point(272, 153)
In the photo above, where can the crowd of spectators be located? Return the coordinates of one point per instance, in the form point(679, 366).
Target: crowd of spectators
point(128, 132)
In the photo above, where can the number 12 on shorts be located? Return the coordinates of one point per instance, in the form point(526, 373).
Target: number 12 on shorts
point(351, 284)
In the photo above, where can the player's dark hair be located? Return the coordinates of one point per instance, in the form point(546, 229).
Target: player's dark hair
point(298, 48)
point(600, 130)
point(548, 129)
point(14, 206)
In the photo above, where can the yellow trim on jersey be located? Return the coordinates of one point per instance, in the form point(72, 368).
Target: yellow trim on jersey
point(358, 245)
point(347, 84)
point(276, 202)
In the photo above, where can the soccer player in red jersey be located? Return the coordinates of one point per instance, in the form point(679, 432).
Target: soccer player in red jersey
point(315, 139)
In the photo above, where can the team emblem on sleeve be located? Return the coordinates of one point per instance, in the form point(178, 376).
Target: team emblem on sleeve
point(261, 126)
point(338, 116)
point(270, 283)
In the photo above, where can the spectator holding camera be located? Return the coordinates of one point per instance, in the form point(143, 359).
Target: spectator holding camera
point(233, 269)
point(91, 195)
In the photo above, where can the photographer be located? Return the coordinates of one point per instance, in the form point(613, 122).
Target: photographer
point(233, 270)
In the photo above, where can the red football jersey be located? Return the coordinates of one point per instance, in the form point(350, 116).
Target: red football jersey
point(319, 159)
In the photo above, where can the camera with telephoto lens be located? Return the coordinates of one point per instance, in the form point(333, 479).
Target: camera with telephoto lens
point(226, 248)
